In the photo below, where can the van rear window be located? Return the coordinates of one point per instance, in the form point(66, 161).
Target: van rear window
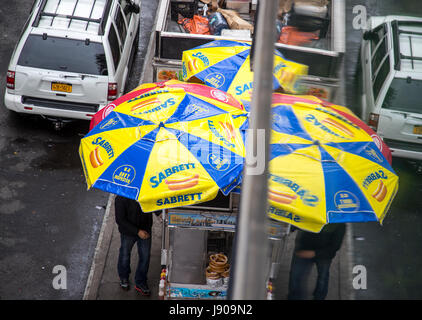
point(404, 95)
point(63, 54)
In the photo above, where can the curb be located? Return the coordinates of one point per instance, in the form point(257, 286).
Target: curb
point(345, 280)
point(100, 255)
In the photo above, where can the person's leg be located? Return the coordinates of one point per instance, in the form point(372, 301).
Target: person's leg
point(144, 252)
point(299, 272)
point(123, 263)
point(321, 288)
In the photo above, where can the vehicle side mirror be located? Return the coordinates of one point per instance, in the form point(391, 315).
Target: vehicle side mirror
point(369, 35)
point(132, 7)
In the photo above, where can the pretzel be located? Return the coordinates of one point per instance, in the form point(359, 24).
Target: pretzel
point(218, 259)
point(211, 274)
point(218, 263)
point(217, 269)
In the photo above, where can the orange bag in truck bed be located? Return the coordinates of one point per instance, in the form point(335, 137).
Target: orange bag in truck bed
point(292, 36)
point(197, 25)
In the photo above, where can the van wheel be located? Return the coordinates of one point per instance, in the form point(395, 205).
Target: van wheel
point(17, 116)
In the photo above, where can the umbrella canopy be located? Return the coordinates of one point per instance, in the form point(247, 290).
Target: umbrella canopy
point(225, 65)
point(174, 145)
point(343, 111)
point(324, 168)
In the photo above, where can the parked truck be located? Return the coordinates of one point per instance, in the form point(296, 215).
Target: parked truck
point(323, 56)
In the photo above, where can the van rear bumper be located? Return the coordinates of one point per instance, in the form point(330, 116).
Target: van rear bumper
point(50, 108)
point(403, 149)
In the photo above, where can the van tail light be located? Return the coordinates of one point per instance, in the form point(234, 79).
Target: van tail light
point(112, 91)
point(373, 121)
point(10, 79)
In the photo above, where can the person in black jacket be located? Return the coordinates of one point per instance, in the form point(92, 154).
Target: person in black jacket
point(319, 248)
point(134, 227)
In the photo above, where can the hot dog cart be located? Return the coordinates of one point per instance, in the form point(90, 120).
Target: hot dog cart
point(194, 237)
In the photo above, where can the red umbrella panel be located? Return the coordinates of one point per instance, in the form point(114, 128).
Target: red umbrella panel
point(142, 89)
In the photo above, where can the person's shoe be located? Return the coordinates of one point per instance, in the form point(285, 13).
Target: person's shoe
point(143, 289)
point(124, 284)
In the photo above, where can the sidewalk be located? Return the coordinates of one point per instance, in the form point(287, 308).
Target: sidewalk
point(103, 282)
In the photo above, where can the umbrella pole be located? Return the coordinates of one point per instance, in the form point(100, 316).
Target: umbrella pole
point(251, 247)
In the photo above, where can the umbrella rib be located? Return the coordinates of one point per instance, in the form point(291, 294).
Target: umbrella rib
point(384, 163)
point(362, 196)
point(225, 151)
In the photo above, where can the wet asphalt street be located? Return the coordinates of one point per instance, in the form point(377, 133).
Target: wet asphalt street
point(47, 216)
point(390, 253)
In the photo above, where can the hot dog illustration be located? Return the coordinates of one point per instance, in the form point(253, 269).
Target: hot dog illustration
point(338, 126)
point(381, 191)
point(146, 103)
point(228, 128)
point(286, 77)
point(193, 65)
point(95, 158)
point(279, 197)
point(181, 184)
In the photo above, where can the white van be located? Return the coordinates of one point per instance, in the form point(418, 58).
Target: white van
point(391, 59)
point(73, 57)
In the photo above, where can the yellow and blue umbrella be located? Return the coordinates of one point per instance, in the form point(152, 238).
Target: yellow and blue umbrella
point(173, 145)
point(225, 65)
point(324, 168)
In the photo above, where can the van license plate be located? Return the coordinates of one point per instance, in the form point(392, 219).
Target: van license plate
point(62, 87)
point(417, 129)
